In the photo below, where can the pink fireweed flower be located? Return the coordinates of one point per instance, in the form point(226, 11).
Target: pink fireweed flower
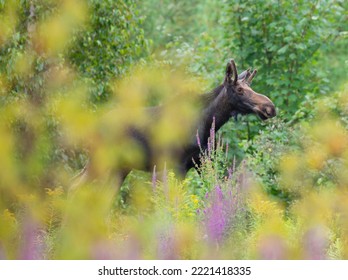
point(167, 249)
point(104, 250)
point(211, 140)
point(219, 214)
point(272, 247)
point(198, 141)
point(32, 247)
point(316, 243)
point(209, 148)
point(212, 133)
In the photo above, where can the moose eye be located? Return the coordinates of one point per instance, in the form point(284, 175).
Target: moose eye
point(240, 91)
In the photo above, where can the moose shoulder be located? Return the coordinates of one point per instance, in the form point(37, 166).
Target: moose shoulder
point(234, 96)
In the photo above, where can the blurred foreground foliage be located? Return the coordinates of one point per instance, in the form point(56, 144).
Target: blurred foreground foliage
point(74, 75)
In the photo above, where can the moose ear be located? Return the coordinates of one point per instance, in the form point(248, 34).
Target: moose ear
point(231, 73)
point(250, 78)
point(244, 74)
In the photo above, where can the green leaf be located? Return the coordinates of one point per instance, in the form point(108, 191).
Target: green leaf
point(283, 49)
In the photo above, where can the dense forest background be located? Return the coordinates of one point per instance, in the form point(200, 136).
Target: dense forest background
point(280, 188)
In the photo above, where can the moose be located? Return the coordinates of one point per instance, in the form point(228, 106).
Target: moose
point(234, 96)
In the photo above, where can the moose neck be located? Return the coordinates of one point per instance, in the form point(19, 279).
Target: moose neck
point(220, 110)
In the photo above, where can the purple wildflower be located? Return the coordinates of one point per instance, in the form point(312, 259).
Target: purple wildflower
point(211, 140)
point(219, 214)
point(272, 248)
point(134, 248)
point(212, 132)
point(104, 250)
point(230, 174)
point(166, 246)
point(198, 141)
point(31, 248)
point(316, 243)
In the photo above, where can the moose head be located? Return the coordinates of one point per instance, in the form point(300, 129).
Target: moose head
point(242, 97)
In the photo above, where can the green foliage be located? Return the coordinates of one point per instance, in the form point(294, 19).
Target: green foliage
point(263, 154)
point(289, 49)
point(281, 39)
point(168, 22)
point(113, 41)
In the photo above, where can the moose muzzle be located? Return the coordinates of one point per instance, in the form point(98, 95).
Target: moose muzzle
point(264, 107)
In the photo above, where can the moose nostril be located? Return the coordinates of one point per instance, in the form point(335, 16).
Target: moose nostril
point(270, 110)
